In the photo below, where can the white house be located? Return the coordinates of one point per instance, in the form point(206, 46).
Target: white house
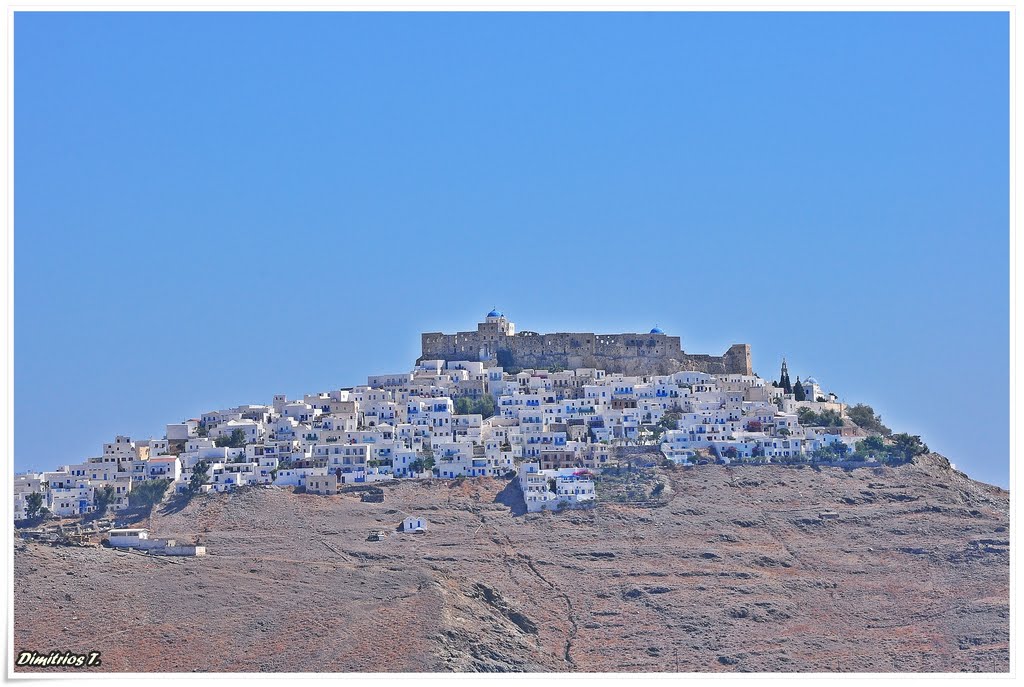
point(164, 467)
point(73, 501)
point(414, 524)
point(296, 477)
point(555, 489)
point(182, 431)
point(128, 538)
point(251, 430)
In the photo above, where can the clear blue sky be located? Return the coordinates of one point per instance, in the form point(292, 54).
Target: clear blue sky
point(213, 208)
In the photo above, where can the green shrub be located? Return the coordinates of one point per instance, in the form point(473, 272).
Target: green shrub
point(148, 493)
point(864, 417)
point(236, 440)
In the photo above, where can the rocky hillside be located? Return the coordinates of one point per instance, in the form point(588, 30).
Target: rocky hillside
point(729, 569)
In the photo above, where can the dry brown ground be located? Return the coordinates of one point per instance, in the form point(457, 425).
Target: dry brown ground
point(736, 573)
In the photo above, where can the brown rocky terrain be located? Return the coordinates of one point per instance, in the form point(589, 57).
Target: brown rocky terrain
point(733, 569)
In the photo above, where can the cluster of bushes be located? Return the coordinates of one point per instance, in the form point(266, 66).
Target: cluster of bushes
point(864, 417)
point(147, 494)
point(826, 418)
point(236, 440)
point(484, 405)
point(421, 464)
point(893, 450)
point(200, 475)
point(896, 448)
point(34, 508)
point(668, 421)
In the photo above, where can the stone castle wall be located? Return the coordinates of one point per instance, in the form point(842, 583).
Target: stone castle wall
point(633, 354)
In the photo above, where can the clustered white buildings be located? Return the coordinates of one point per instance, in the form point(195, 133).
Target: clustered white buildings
point(555, 430)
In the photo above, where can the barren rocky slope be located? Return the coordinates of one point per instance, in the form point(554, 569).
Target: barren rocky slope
point(736, 571)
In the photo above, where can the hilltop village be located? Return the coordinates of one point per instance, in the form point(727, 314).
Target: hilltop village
point(555, 429)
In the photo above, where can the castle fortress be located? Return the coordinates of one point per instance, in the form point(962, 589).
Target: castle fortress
point(496, 341)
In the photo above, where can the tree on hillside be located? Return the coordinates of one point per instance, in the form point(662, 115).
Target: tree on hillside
point(864, 417)
point(102, 498)
point(823, 453)
point(485, 406)
point(669, 420)
point(505, 360)
point(200, 474)
point(826, 418)
point(34, 505)
point(236, 440)
point(870, 446)
point(798, 391)
point(784, 378)
point(148, 494)
point(908, 446)
point(830, 418)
